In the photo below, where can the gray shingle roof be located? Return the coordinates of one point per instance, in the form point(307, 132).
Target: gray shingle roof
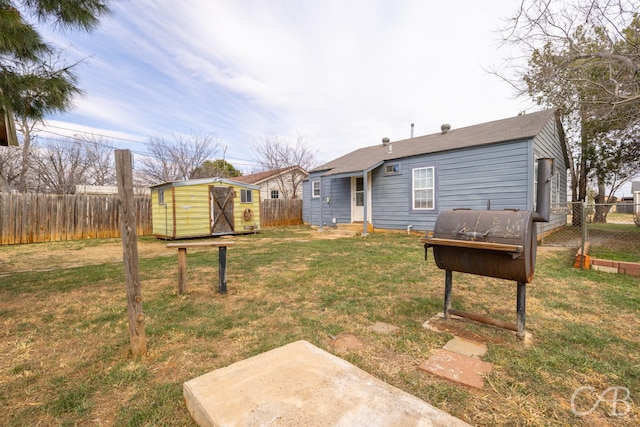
point(511, 129)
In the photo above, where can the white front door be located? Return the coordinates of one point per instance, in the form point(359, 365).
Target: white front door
point(357, 199)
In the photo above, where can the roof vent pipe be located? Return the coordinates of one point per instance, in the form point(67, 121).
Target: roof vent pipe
point(411, 130)
point(543, 190)
point(445, 128)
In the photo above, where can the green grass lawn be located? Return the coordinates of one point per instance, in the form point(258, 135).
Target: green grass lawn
point(64, 346)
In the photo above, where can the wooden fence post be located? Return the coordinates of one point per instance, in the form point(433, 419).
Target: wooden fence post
point(124, 172)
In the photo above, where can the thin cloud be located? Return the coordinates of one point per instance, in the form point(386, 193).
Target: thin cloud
point(345, 74)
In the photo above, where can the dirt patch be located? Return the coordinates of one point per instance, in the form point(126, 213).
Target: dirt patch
point(347, 341)
point(460, 327)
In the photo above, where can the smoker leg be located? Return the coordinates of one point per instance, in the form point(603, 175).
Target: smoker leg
point(222, 269)
point(521, 309)
point(448, 280)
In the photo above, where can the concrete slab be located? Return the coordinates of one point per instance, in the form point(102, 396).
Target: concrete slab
point(455, 367)
point(466, 347)
point(605, 268)
point(302, 385)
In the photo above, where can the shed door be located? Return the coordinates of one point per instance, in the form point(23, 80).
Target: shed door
point(221, 209)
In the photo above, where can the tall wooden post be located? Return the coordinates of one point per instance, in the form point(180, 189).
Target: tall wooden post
point(124, 172)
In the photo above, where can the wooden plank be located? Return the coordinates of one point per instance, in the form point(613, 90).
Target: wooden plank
point(201, 244)
point(2, 223)
point(503, 247)
point(24, 219)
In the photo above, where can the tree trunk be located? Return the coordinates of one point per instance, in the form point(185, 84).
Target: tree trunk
point(582, 179)
point(26, 142)
point(4, 185)
point(603, 206)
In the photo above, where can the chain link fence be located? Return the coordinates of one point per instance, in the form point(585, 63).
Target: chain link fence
point(609, 231)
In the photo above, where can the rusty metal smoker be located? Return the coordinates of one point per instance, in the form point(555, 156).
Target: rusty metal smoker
point(499, 244)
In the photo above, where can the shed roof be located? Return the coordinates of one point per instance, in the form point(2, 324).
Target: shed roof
point(216, 180)
point(515, 128)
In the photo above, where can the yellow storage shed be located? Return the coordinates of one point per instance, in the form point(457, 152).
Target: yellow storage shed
point(204, 207)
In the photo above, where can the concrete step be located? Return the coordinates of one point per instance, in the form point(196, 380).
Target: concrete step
point(357, 227)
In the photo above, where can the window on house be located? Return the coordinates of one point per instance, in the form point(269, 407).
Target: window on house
point(315, 189)
point(390, 169)
point(246, 196)
point(423, 188)
point(161, 197)
point(275, 194)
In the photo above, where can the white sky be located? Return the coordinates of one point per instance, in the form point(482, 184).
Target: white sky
point(344, 73)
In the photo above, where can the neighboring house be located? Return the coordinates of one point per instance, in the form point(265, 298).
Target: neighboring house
point(284, 183)
point(405, 184)
point(204, 207)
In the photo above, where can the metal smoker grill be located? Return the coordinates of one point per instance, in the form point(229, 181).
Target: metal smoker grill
point(499, 244)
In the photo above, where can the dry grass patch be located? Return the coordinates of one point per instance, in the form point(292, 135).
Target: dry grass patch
point(64, 350)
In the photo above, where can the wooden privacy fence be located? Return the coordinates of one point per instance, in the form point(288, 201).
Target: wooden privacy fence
point(31, 218)
point(278, 212)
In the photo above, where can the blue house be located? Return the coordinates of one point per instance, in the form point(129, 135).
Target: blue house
point(404, 185)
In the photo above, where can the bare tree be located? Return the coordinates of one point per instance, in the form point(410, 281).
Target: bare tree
point(295, 158)
point(99, 152)
point(26, 127)
point(60, 166)
point(583, 58)
point(175, 160)
point(9, 168)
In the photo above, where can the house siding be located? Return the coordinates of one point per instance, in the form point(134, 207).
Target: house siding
point(339, 206)
point(545, 144)
point(466, 178)
point(283, 185)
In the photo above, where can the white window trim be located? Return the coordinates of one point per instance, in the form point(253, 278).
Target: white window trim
point(433, 189)
point(315, 184)
point(243, 195)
